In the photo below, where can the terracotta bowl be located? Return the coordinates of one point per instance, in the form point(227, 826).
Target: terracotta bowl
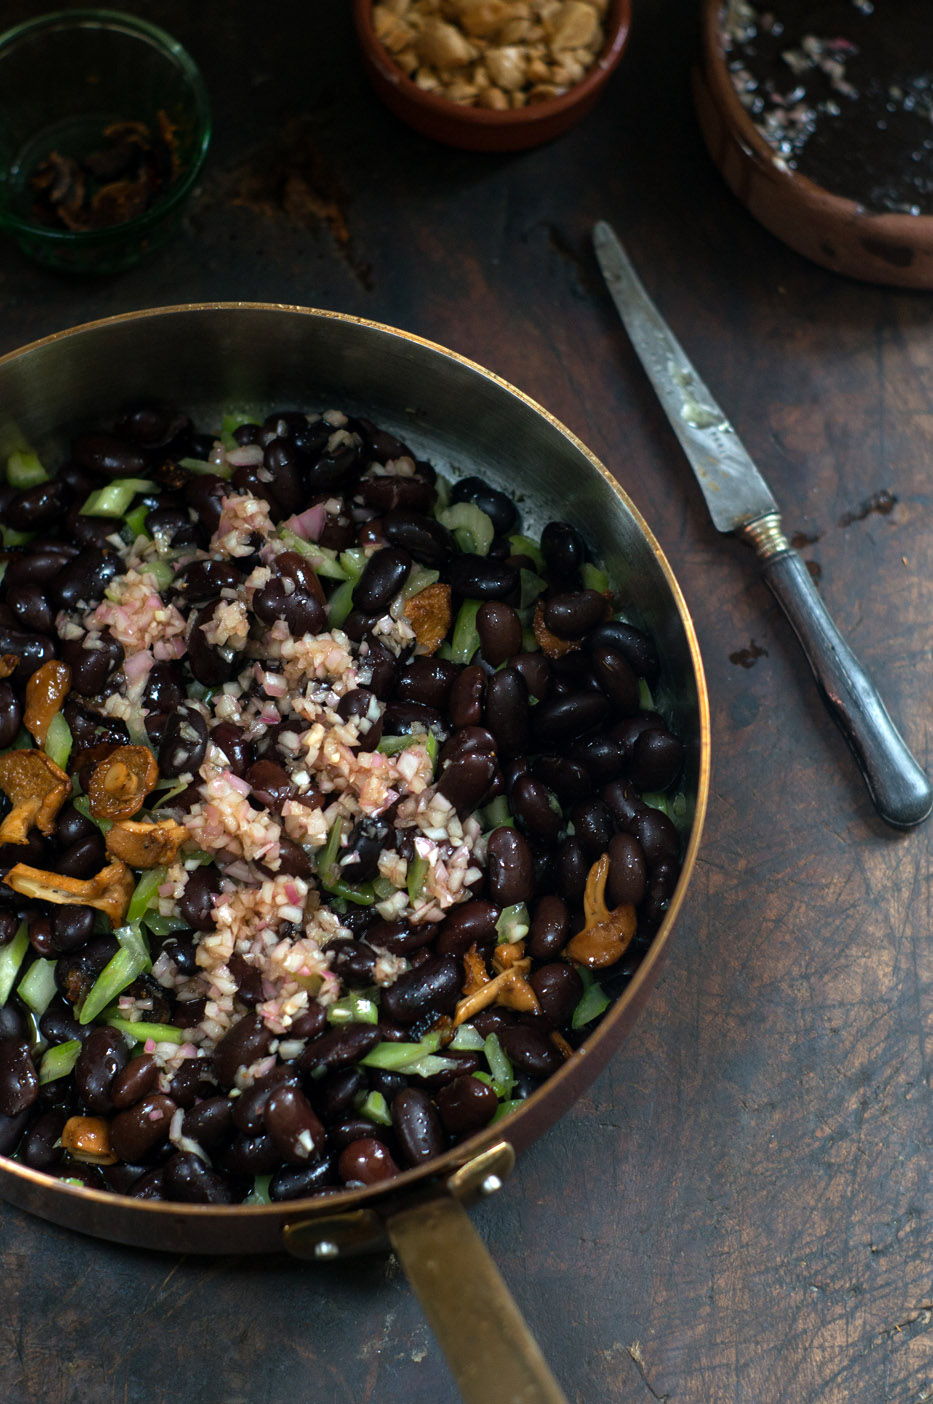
point(837, 233)
point(478, 129)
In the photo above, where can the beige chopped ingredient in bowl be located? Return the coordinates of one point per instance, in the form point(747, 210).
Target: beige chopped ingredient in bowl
point(495, 54)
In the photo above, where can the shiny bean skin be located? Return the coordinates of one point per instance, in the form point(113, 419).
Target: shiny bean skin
point(187, 1180)
point(204, 580)
point(293, 1125)
point(251, 1155)
point(340, 1046)
point(536, 671)
point(92, 667)
point(297, 1182)
point(622, 801)
point(570, 871)
point(237, 751)
point(499, 508)
point(211, 664)
point(367, 1161)
point(507, 712)
point(205, 493)
point(72, 926)
point(184, 743)
point(573, 613)
point(510, 867)
point(40, 1148)
point(531, 803)
point(425, 540)
point(391, 491)
point(500, 631)
point(59, 1025)
point(601, 755)
point(466, 1105)
point(335, 1093)
point(38, 564)
point(300, 606)
point(628, 873)
point(139, 1132)
point(134, 1081)
point(563, 550)
point(616, 677)
point(360, 703)
point(32, 609)
point(12, 1022)
point(430, 988)
point(466, 780)
point(270, 783)
point(559, 990)
point(171, 525)
point(427, 680)
point(37, 506)
point(107, 456)
point(210, 1122)
point(549, 931)
point(103, 1055)
point(655, 761)
point(657, 835)
point(383, 576)
point(637, 648)
point(31, 650)
point(354, 962)
point(282, 463)
point(11, 715)
point(592, 825)
point(465, 702)
point(196, 903)
point(19, 1081)
point(481, 578)
point(11, 1130)
point(558, 720)
point(400, 937)
point(417, 1126)
point(469, 924)
point(83, 858)
point(86, 577)
point(240, 1046)
point(530, 1051)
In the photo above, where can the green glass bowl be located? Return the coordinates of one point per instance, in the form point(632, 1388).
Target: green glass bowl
point(63, 78)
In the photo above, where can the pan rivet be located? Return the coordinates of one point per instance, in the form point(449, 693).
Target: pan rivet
point(324, 1249)
point(490, 1184)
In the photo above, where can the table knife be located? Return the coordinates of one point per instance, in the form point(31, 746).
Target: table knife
point(740, 501)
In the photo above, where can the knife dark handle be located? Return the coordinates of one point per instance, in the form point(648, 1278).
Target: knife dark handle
point(899, 789)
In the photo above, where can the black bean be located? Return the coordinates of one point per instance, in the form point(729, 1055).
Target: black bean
point(425, 540)
point(408, 718)
point(31, 650)
point(72, 926)
point(550, 928)
point(293, 861)
point(281, 461)
point(603, 757)
point(400, 937)
point(11, 715)
point(296, 1182)
point(469, 924)
point(354, 962)
point(481, 578)
point(204, 580)
point(383, 576)
point(210, 1122)
point(536, 671)
point(134, 1081)
point(466, 779)
point(367, 1161)
point(335, 1093)
point(89, 531)
point(655, 760)
point(38, 563)
point(211, 664)
point(40, 1148)
point(657, 835)
point(244, 1043)
point(84, 578)
point(530, 1051)
point(507, 712)
point(636, 647)
point(172, 525)
point(188, 1180)
point(293, 1125)
point(11, 1130)
point(616, 677)
point(294, 594)
point(573, 613)
point(107, 456)
point(390, 492)
point(31, 608)
point(379, 443)
point(427, 680)
point(83, 858)
point(334, 469)
point(59, 1025)
point(103, 1055)
point(341, 1045)
point(628, 874)
point(501, 510)
point(430, 988)
point(557, 720)
point(12, 1022)
point(531, 802)
point(465, 701)
point(623, 802)
point(559, 990)
point(270, 783)
point(466, 1104)
point(92, 667)
point(500, 631)
point(184, 742)
point(592, 824)
point(251, 1155)
point(570, 871)
point(564, 551)
point(510, 867)
point(359, 861)
point(231, 740)
point(205, 493)
point(19, 1081)
point(36, 506)
point(417, 1126)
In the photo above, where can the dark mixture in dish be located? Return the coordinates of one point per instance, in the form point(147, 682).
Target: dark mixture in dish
point(330, 802)
point(843, 92)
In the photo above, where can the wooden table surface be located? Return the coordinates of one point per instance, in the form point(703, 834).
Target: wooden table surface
point(741, 1208)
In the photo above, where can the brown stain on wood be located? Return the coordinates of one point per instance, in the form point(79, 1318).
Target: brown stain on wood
point(883, 502)
point(748, 657)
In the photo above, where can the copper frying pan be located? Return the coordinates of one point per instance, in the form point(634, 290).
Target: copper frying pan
point(460, 416)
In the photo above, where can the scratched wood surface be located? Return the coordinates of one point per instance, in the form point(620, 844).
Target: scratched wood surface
point(741, 1209)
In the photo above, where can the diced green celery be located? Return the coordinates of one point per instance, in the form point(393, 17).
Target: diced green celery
point(353, 562)
point(445, 652)
point(259, 1194)
point(594, 578)
point(471, 526)
point(645, 699)
point(145, 894)
point(37, 987)
point(340, 604)
point(83, 805)
point(23, 470)
point(530, 645)
point(465, 639)
point(592, 1002)
point(201, 465)
point(58, 1061)
point(419, 579)
point(162, 571)
point(234, 419)
point(531, 587)
point(327, 869)
point(136, 521)
point(375, 1108)
point(658, 800)
point(159, 1033)
point(496, 815)
point(504, 1109)
point(58, 741)
point(466, 1039)
point(131, 960)
point(361, 896)
point(11, 958)
point(401, 1057)
point(513, 923)
point(355, 1008)
point(524, 546)
point(114, 499)
point(417, 872)
point(503, 1078)
point(391, 745)
point(173, 788)
point(383, 888)
point(9, 536)
point(161, 925)
point(679, 806)
point(442, 488)
point(324, 561)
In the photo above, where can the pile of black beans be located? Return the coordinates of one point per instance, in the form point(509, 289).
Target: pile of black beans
point(565, 741)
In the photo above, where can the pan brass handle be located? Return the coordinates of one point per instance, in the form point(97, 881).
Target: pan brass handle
point(491, 1353)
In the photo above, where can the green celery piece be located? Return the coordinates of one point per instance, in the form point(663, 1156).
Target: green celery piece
point(340, 604)
point(37, 987)
point(201, 465)
point(114, 499)
point(429, 1066)
point(323, 561)
point(11, 537)
point(327, 858)
point(234, 419)
point(173, 788)
point(466, 1039)
point(58, 1061)
point(465, 639)
point(375, 1108)
point(356, 1008)
point(3, 566)
point(471, 526)
point(503, 1078)
point(136, 520)
point(399, 1057)
point(23, 470)
point(159, 1033)
point(362, 896)
point(161, 925)
point(645, 699)
point(419, 579)
point(131, 959)
point(162, 571)
point(383, 888)
point(145, 894)
point(58, 741)
point(353, 562)
point(594, 578)
point(496, 815)
point(513, 923)
point(592, 1002)
point(524, 546)
point(83, 805)
point(530, 644)
point(259, 1194)
point(11, 958)
point(504, 1109)
point(391, 745)
point(417, 872)
point(531, 587)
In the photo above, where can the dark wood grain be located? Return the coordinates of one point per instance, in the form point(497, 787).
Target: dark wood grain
point(740, 1211)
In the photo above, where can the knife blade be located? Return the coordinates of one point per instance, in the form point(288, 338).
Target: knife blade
point(740, 501)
